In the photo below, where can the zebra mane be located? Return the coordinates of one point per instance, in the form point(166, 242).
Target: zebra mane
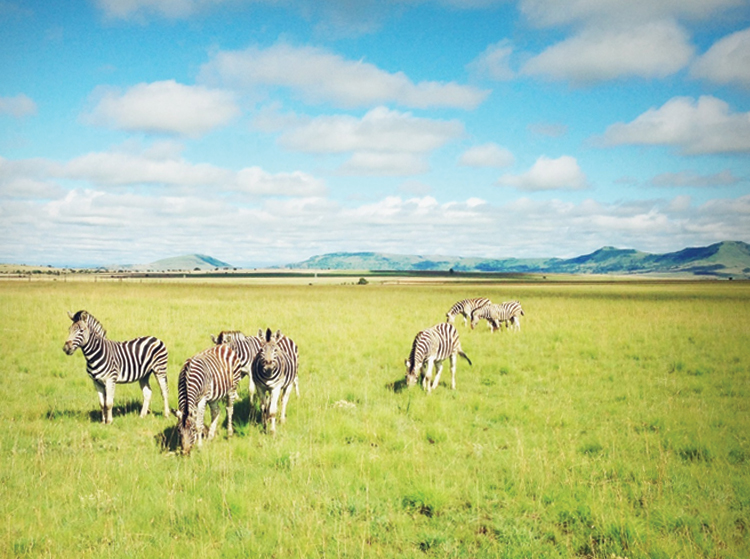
point(93, 324)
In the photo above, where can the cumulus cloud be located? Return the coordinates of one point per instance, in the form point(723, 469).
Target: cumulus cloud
point(487, 155)
point(164, 107)
point(18, 106)
point(705, 126)
point(651, 50)
point(727, 61)
point(320, 76)
point(562, 173)
point(383, 141)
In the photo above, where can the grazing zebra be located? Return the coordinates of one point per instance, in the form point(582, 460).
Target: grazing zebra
point(109, 362)
point(246, 348)
point(433, 346)
point(497, 315)
point(465, 308)
point(206, 378)
point(274, 371)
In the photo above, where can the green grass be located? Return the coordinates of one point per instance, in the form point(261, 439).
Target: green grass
point(615, 423)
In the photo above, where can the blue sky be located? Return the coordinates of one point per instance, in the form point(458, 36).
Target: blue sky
point(263, 132)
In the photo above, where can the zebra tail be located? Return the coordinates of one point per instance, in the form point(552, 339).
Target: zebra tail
point(462, 354)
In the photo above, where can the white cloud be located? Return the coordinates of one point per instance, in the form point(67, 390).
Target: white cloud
point(18, 106)
point(140, 9)
point(705, 126)
point(319, 76)
point(562, 173)
point(165, 107)
point(651, 50)
point(727, 61)
point(598, 12)
point(691, 179)
point(494, 62)
point(487, 155)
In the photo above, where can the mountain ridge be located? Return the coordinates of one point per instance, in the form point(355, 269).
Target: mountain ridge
point(724, 259)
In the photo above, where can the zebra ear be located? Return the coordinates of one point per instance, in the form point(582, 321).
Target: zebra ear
point(71, 316)
point(278, 335)
point(260, 333)
point(214, 340)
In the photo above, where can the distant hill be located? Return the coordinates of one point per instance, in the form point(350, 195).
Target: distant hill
point(725, 259)
point(187, 262)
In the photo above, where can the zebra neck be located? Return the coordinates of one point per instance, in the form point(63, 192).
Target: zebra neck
point(94, 346)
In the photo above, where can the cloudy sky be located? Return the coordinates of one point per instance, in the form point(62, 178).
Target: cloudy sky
point(264, 132)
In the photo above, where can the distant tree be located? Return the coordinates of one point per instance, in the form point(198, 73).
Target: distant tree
point(362, 281)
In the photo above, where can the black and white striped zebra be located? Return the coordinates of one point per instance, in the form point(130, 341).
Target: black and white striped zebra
point(109, 362)
point(246, 348)
point(431, 347)
point(497, 315)
point(274, 373)
point(465, 308)
point(206, 378)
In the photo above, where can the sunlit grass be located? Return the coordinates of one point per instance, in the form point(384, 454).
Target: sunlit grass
point(615, 422)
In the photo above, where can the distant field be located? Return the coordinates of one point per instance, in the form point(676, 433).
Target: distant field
point(616, 423)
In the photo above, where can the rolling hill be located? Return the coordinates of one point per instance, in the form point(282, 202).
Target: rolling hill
point(724, 260)
point(187, 262)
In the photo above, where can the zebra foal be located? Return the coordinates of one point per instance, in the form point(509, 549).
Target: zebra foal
point(205, 379)
point(109, 362)
point(274, 371)
point(465, 308)
point(431, 347)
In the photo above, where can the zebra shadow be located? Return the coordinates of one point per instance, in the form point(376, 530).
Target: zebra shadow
point(169, 439)
point(397, 386)
point(123, 408)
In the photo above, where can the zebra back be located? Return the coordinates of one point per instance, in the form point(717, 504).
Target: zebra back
point(246, 347)
point(465, 307)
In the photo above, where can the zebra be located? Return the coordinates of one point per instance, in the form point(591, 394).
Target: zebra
point(109, 362)
point(206, 378)
point(433, 346)
point(465, 308)
point(497, 315)
point(274, 371)
point(246, 348)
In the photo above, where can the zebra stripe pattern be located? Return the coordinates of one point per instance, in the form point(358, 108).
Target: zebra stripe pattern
point(206, 378)
point(274, 371)
point(465, 308)
point(246, 348)
point(497, 315)
point(431, 347)
point(109, 362)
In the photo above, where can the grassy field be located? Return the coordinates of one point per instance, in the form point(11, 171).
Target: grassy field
point(616, 423)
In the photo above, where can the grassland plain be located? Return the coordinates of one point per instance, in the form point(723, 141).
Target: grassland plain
point(615, 423)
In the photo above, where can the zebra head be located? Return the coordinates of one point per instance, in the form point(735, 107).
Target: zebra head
point(269, 350)
point(187, 429)
point(79, 332)
point(224, 337)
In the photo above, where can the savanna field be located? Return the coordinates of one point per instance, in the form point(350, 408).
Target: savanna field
point(614, 424)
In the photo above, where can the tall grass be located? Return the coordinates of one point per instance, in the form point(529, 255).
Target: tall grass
point(615, 423)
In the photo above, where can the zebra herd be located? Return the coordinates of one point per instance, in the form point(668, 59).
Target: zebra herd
point(269, 360)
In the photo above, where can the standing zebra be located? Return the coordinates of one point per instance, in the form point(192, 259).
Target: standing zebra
point(206, 378)
point(433, 346)
point(109, 362)
point(274, 371)
point(465, 308)
point(497, 315)
point(246, 348)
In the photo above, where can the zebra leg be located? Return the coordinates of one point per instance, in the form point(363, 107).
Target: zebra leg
point(146, 389)
point(199, 420)
point(273, 408)
point(230, 412)
point(427, 379)
point(109, 398)
point(102, 399)
point(162, 380)
point(214, 406)
point(454, 357)
point(285, 401)
point(439, 370)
